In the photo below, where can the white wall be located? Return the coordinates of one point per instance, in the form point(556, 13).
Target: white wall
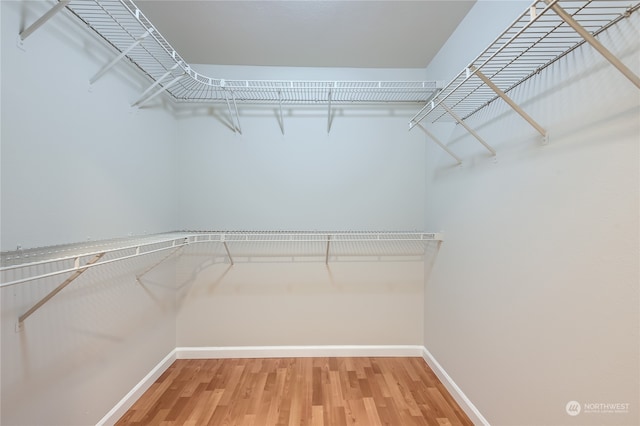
point(534, 294)
point(482, 24)
point(85, 349)
point(98, 168)
point(367, 173)
point(533, 300)
point(77, 164)
point(277, 301)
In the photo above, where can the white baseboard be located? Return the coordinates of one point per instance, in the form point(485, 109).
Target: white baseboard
point(293, 352)
point(465, 403)
point(134, 394)
point(298, 351)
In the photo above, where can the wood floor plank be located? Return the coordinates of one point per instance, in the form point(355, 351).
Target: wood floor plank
point(317, 416)
point(297, 392)
point(372, 412)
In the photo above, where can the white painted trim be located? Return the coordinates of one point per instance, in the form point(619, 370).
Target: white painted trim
point(134, 394)
point(298, 351)
point(289, 352)
point(465, 403)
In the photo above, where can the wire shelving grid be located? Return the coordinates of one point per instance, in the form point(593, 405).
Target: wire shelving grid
point(51, 261)
point(126, 28)
point(535, 40)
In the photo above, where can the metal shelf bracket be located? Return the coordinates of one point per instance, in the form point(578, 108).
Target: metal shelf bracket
point(281, 122)
point(226, 97)
point(44, 18)
point(486, 80)
point(439, 143)
point(235, 106)
point(155, 83)
point(329, 113)
point(468, 128)
point(594, 42)
point(235, 127)
point(152, 267)
point(326, 257)
point(58, 289)
point(143, 101)
point(223, 240)
point(124, 53)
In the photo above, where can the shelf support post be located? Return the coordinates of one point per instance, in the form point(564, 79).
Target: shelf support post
point(233, 123)
point(281, 117)
point(235, 106)
point(44, 18)
point(326, 256)
point(469, 129)
point(152, 267)
point(566, 17)
point(439, 143)
point(486, 80)
point(120, 56)
point(155, 83)
point(329, 114)
point(58, 289)
point(226, 247)
point(162, 89)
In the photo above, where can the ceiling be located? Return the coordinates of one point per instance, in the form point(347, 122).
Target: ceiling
point(307, 33)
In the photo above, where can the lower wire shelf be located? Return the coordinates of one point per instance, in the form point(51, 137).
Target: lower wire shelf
point(20, 266)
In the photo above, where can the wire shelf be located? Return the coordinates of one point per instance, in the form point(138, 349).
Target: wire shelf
point(22, 266)
point(122, 25)
point(535, 40)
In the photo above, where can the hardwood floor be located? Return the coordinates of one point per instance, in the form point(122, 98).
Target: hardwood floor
point(297, 392)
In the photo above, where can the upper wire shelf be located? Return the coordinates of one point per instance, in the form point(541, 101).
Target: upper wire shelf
point(127, 29)
point(535, 40)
